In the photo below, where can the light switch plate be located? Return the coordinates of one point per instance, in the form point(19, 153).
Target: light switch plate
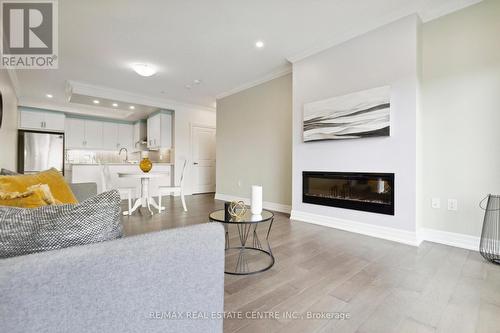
point(436, 203)
point(452, 204)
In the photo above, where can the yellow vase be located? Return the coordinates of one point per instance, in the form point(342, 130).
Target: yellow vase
point(146, 164)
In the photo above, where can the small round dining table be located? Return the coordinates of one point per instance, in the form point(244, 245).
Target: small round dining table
point(145, 201)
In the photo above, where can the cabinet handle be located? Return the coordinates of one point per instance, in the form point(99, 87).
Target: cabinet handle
point(41, 124)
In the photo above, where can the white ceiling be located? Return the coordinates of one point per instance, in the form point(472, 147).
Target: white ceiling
point(212, 41)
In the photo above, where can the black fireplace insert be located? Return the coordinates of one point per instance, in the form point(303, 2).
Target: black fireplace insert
point(370, 192)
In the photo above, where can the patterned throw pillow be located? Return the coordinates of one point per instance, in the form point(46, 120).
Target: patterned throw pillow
point(24, 231)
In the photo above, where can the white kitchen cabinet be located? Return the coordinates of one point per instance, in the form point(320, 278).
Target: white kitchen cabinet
point(75, 133)
point(83, 134)
point(125, 136)
point(93, 134)
point(110, 135)
point(160, 131)
point(54, 121)
point(154, 131)
point(139, 135)
point(99, 135)
point(116, 136)
point(40, 120)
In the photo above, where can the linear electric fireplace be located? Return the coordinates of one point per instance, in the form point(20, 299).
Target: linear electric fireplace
point(370, 192)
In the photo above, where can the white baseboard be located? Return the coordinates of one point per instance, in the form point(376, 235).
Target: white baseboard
point(266, 204)
point(396, 235)
point(450, 238)
point(406, 237)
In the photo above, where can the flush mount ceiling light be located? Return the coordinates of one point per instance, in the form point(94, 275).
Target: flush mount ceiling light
point(115, 104)
point(49, 96)
point(131, 107)
point(187, 86)
point(144, 69)
point(96, 101)
point(197, 82)
point(259, 44)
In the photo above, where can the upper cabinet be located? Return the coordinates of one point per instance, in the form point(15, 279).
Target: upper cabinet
point(84, 134)
point(159, 128)
point(41, 120)
point(75, 133)
point(116, 136)
point(125, 136)
point(95, 134)
point(139, 135)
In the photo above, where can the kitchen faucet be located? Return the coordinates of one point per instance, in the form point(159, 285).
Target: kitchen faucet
point(126, 153)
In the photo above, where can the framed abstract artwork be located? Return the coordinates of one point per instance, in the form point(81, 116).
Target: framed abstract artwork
point(357, 115)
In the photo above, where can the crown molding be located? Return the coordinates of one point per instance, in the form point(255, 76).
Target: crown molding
point(254, 83)
point(128, 97)
point(429, 11)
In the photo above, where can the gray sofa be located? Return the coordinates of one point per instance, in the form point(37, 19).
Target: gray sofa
point(168, 281)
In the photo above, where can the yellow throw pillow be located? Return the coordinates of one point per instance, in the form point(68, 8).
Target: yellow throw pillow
point(55, 181)
point(29, 199)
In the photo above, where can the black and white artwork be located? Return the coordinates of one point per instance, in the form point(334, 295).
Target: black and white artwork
point(358, 115)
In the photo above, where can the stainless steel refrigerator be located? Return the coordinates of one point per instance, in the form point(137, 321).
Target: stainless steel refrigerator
point(38, 151)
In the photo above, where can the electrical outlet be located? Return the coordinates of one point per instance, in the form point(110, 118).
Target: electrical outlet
point(436, 203)
point(452, 204)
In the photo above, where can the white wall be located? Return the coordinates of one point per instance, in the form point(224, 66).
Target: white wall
point(461, 115)
point(386, 56)
point(254, 142)
point(184, 118)
point(8, 131)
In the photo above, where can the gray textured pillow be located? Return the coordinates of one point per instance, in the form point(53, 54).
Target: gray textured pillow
point(5, 172)
point(24, 231)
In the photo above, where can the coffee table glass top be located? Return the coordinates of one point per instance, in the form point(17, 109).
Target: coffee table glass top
point(218, 216)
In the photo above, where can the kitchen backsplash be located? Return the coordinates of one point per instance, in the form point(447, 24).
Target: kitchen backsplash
point(96, 157)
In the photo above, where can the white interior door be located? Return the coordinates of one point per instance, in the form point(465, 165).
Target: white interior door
point(203, 159)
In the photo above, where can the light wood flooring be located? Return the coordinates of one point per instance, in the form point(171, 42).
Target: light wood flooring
point(383, 286)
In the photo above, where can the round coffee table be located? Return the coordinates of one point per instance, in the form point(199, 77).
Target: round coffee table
point(245, 258)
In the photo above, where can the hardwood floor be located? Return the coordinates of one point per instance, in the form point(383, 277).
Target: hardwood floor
point(381, 285)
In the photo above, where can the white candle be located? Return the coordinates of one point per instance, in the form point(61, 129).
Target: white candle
point(256, 206)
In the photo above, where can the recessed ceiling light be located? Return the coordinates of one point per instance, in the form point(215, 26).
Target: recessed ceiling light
point(144, 69)
point(188, 86)
point(197, 81)
point(131, 107)
point(259, 44)
point(96, 101)
point(115, 104)
point(49, 96)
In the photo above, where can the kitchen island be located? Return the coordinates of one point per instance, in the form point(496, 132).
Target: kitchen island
point(84, 173)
